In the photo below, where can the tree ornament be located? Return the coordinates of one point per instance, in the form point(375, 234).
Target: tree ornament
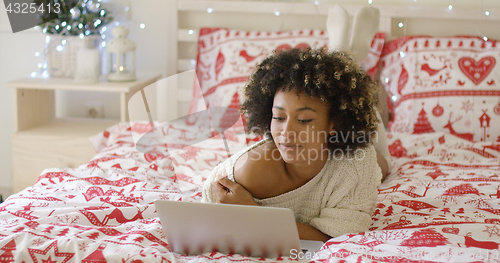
point(496, 109)
point(403, 79)
point(438, 110)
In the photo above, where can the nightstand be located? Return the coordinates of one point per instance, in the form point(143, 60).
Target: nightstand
point(42, 141)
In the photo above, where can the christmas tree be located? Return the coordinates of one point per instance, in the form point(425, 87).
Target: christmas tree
point(231, 115)
point(423, 125)
point(96, 256)
point(389, 211)
point(7, 256)
point(77, 18)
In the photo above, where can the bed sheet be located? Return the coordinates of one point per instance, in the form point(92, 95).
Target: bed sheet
point(439, 204)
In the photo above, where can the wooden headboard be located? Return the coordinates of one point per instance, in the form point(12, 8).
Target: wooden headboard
point(187, 16)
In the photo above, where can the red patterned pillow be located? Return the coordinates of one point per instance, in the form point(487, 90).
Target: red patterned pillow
point(448, 84)
point(227, 57)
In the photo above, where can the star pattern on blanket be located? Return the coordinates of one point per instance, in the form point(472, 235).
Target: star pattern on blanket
point(52, 251)
point(492, 230)
point(467, 106)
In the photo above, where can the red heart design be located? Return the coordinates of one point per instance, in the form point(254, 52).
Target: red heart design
point(476, 71)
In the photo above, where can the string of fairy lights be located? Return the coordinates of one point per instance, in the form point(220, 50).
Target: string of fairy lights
point(484, 13)
point(92, 18)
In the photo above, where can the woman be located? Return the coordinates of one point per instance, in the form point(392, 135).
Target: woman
point(316, 110)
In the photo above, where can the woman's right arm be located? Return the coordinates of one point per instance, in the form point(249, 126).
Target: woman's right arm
point(244, 171)
point(254, 170)
point(250, 170)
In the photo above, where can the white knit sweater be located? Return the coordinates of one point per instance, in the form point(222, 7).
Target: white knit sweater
point(340, 199)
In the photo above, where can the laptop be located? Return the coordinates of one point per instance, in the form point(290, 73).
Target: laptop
point(193, 228)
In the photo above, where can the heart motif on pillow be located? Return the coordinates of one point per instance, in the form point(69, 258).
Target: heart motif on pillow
point(476, 71)
point(284, 47)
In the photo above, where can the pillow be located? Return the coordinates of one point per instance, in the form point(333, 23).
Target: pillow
point(227, 57)
point(446, 84)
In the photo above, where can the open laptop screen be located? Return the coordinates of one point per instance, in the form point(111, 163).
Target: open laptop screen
point(196, 228)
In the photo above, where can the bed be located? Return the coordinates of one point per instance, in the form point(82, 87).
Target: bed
point(440, 202)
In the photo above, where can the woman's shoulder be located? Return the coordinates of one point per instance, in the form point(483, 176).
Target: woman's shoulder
point(253, 167)
point(259, 153)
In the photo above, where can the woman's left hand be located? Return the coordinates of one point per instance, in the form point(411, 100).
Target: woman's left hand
point(229, 192)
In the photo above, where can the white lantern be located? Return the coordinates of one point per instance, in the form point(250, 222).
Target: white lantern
point(121, 54)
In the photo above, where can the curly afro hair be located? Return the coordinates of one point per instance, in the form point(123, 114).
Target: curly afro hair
point(333, 77)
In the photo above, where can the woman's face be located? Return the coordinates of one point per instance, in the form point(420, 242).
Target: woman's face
point(300, 127)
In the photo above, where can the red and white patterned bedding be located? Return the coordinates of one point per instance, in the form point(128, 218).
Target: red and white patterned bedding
point(439, 204)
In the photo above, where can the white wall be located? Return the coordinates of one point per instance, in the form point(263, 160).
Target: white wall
point(17, 59)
